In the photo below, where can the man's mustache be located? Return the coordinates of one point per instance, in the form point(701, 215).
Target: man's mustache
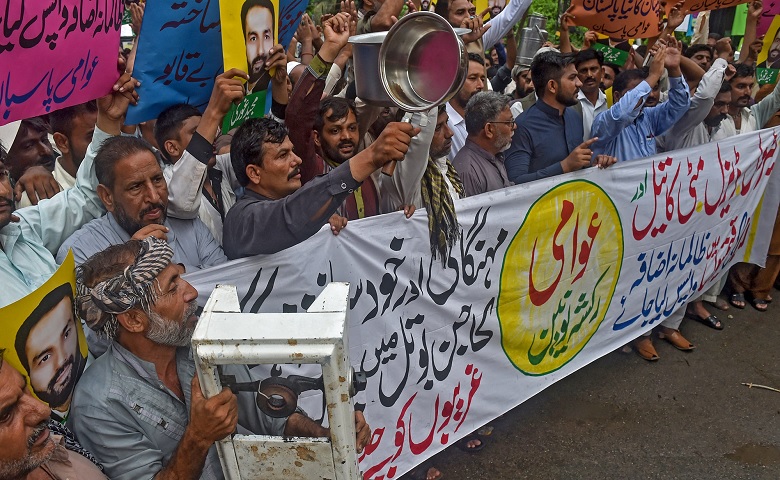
point(259, 59)
point(294, 173)
point(39, 430)
point(7, 202)
point(70, 362)
point(47, 160)
point(150, 208)
point(346, 143)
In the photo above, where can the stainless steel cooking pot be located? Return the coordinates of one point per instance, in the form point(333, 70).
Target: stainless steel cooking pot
point(365, 58)
point(420, 63)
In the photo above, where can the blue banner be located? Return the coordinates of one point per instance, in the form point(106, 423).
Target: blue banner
point(179, 54)
point(289, 17)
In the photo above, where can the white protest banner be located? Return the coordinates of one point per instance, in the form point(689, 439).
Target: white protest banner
point(548, 277)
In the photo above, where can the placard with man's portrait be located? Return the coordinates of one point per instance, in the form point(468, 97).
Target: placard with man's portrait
point(43, 338)
point(249, 31)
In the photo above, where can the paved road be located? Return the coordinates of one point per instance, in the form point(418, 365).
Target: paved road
point(686, 416)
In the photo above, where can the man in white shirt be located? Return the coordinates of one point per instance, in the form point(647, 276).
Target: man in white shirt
point(592, 100)
point(476, 81)
point(742, 118)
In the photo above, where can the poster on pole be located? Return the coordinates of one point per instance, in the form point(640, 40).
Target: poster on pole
point(249, 33)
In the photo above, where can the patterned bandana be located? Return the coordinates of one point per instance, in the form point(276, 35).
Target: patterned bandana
point(134, 286)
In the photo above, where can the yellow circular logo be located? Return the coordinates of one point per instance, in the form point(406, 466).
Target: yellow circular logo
point(559, 274)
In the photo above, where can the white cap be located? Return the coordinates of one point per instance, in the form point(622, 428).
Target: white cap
point(8, 133)
point(546, 49)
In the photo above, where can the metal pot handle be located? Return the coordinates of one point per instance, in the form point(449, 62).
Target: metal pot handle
point(539, 31)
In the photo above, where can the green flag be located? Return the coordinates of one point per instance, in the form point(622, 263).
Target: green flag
point(767, 75)
point(611, 55)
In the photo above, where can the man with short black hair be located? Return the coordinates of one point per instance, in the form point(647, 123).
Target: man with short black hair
point(610, 71)
point(476, 81)
point(47, 344)
point(174, 128)
point(72, 129)
point(258, 23)
point(592, 101)
point(326, 132)
point(701, 55)
point(627, 130)
point(490, 126)
point(744, 116)
point(276, 211)
point(532, 155)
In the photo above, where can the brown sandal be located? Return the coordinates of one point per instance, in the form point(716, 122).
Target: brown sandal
point(644, 347)
point(676, 339)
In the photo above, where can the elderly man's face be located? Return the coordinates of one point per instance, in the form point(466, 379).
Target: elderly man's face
point(503, 127)
point(31, 147)
point(259, 39)
point(140, 194)
point(172, 318)
point(23, 432)
point(53, 355)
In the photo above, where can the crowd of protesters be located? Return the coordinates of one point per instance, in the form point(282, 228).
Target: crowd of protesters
point(140, 205)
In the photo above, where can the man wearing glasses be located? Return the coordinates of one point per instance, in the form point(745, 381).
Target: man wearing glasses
point(533, 155)
point(490, 126)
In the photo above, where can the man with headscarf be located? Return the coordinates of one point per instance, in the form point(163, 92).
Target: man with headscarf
point(139, 407)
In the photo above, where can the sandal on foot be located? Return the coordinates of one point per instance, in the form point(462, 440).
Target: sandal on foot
point(463, 443)
point(759, 304)
point(644, 347)
point(720, 304)
point(420, 472)
point(676, 339)
point(711, 321)
point(737, 297)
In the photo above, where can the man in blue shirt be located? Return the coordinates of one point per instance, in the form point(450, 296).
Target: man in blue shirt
point(628, 130)
point(533, 155)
